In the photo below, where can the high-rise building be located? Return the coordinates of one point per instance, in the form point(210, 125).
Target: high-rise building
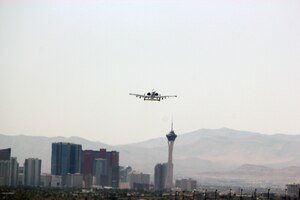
point(32, 171)
point(75, 159)
point(113, 168)
point(171, 139)
point(8, 169)
point(5, 154)
point(14, 166)
point(5, 173)
point(88, 158)
point(100, 171)
point(65, 158)
point(160, 174)
point(112, 159)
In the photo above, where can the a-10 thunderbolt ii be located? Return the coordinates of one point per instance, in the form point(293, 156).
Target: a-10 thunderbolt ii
point(152, 96)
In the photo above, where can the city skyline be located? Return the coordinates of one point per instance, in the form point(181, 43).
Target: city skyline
point(259, 173)
point(67, 67)
point(71, 166)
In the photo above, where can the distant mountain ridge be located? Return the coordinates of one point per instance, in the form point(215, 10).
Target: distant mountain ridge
point(214, 150)
point(253, 175)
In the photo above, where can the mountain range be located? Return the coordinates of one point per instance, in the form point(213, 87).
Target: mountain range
point(209, 155)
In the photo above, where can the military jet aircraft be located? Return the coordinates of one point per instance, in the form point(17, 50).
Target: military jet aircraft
point(152, 96)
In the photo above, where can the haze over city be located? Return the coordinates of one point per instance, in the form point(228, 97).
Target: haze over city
point(67, 67)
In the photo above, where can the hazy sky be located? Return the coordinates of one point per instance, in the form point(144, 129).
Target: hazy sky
point(67, 67)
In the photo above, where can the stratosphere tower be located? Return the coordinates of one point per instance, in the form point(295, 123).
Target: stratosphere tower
point(171, 139)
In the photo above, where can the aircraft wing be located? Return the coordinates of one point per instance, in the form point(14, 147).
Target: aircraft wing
point(167, 96)
point(138, 95)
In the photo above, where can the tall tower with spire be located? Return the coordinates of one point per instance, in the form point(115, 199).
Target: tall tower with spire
point(171, 139)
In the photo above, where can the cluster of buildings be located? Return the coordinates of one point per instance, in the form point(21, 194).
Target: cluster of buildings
point(12, 174)
point(74, 167)
point(71, 166)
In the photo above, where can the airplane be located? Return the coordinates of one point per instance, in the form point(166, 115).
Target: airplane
point(152, 96)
